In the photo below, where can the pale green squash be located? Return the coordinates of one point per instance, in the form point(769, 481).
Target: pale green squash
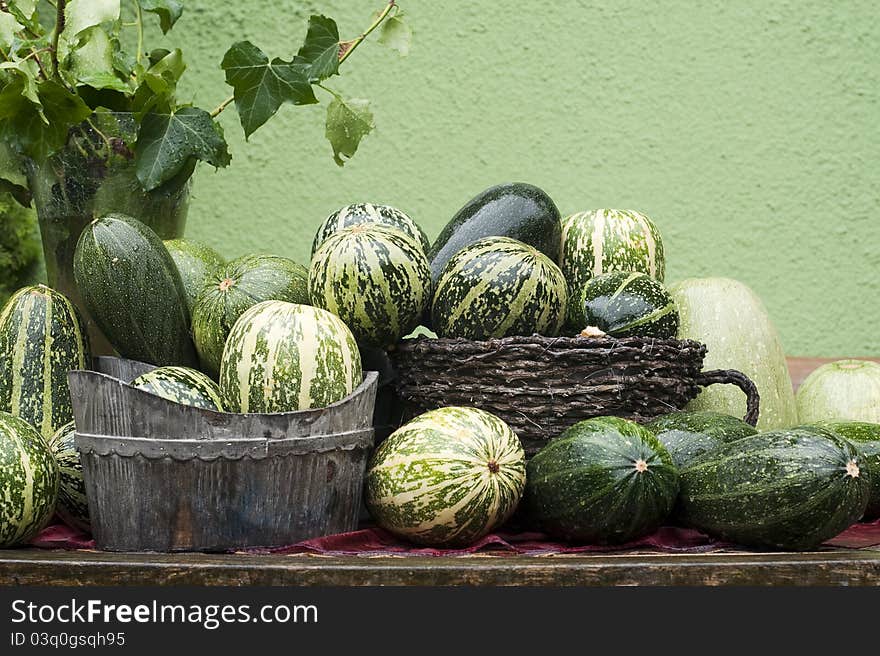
point(846, 390)
point(733, 323)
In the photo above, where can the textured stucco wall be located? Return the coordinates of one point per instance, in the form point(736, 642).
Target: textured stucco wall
point(749, 131)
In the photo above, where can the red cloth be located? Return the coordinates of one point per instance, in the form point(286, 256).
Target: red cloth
point(377, 542)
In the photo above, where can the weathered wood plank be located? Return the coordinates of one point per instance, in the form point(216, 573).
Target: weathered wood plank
point(31, 566)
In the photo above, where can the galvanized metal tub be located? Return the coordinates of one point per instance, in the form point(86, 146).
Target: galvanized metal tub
point(161, 476)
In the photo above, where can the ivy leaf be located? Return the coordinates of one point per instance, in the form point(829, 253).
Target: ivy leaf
point(166, 142)
point(396, 34)
point(80, 15)
point(168, 12)
point(261, 86)
point(8, 27)
point(348, 121)
point(12, 178)
point(23, 11)
point(92, 64)
point(22, 123)
point(163, 75)
point(319, 53)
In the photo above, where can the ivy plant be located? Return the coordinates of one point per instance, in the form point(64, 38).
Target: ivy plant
point(63, 61)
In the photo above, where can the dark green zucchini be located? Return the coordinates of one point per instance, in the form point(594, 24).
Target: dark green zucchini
point(866, 438)
point(688, 435)
point(517, 210)
point(130, 285)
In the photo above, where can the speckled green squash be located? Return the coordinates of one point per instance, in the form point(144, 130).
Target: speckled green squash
point(496, 287)
point(623, 304)
point(688, 435)
point(731, 321)
point(447, 478)
point(282, 357)
point(73, 505)
point(375, 278)
point(866, 438)
point(788, 489)
point(195, 261)
point(358, 213)
point(28, 481)
point(130, 285)
point(604, 480)
point(843, 390)
point(181, 385)
point(41, 339)
point(605, 240)
point(232, 289)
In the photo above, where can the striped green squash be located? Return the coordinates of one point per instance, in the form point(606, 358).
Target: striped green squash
point(130, 286)
point(603, 480)
point(601, 241)
point(195, 261)
point(788, 489)
point(28, 481)
point(234, 288)
point(358, 213)
point(498, 286)
point(73, 506)
point(41, 339)
point(373, 277)
point(283, 357)
point(623, 304)
point(865, 436)
point(447, 478)
point(181, 385)
point(688, 434)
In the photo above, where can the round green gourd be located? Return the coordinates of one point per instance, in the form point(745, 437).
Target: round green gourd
point(605, 240)
point(625, 304)
point(788, 489)
point(358, 213)
point(866, 438)
point(283, 357)
point(497, 287)
point(232, 289)
point(181, 385)
point(446, 478)
point(28, 480)
point(195, 261)
point(688, 435)
point(843, 390)
point(73, 505)
point(42, 337)
point(375, 278)
point(604, 480)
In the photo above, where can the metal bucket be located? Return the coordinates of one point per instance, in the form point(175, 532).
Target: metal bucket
point(161, 476)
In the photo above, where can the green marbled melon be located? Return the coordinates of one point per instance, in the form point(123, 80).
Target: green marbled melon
point(373, 277)
point(181, 385)
point(42, 337)
point(605, 240)
point(446, 478)
point(28, 481)
point(73, 505)
point(624, 304)
point(235, 287)
point(498, 286)
point(358, 213)
point(283, 357)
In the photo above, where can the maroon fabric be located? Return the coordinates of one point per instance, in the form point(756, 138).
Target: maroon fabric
point(377, 542)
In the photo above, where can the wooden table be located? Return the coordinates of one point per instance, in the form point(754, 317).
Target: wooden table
point(838, 567)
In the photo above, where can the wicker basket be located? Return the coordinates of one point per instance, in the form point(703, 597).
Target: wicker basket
point(542, 385)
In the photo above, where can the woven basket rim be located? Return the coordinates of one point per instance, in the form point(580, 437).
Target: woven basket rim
point(560, 342)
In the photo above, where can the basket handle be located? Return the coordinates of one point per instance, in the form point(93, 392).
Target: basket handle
point(734, 377)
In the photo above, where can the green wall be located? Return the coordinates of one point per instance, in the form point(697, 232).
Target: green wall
point(749, 131)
